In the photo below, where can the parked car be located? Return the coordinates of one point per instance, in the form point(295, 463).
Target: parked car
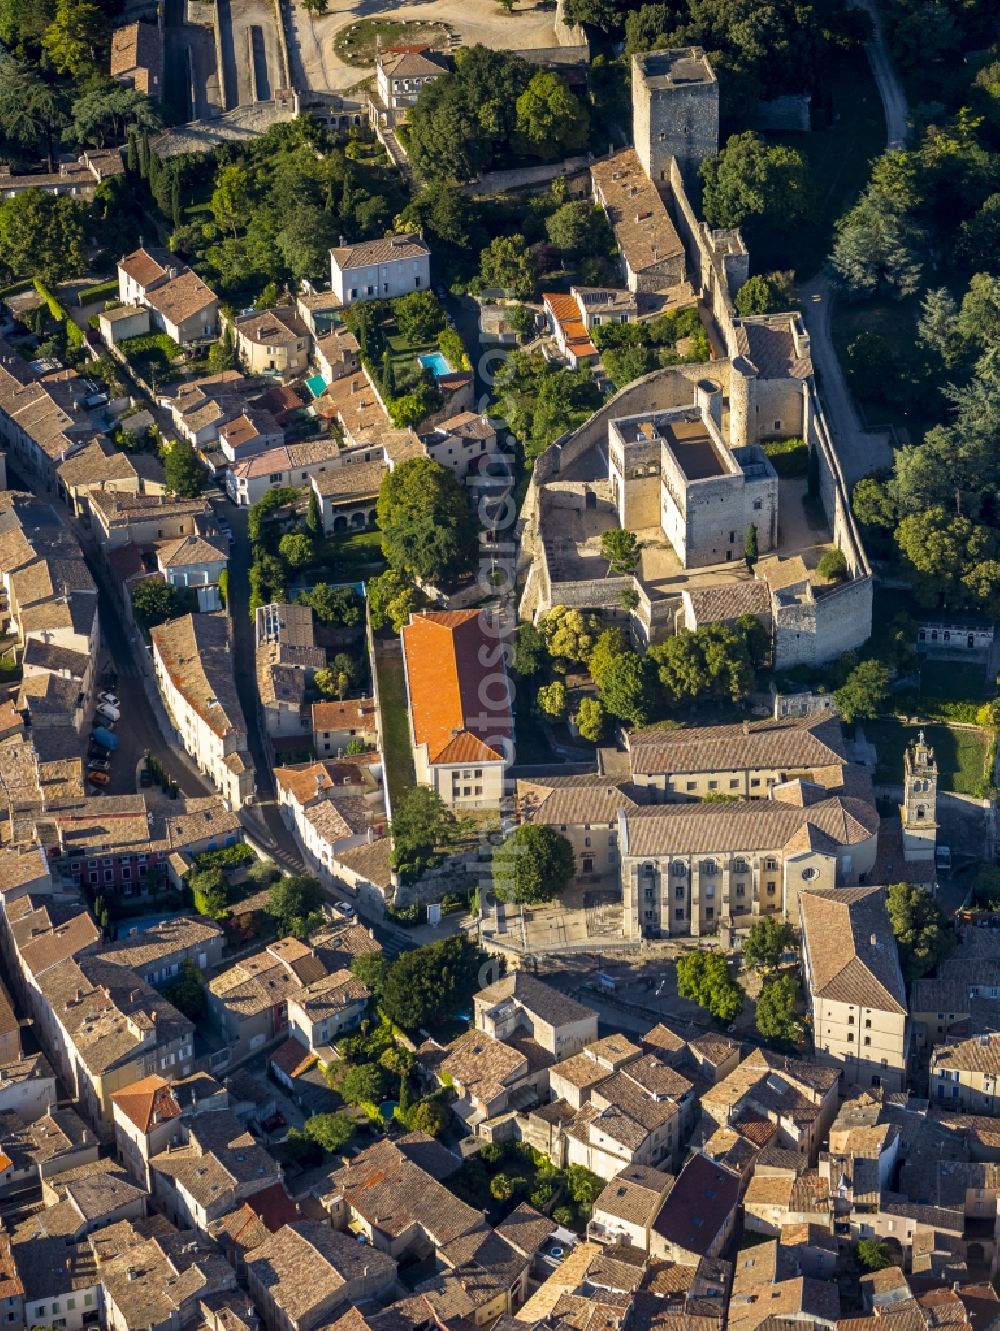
point(345, 909)
point(99, 764)
point(111, 699)
point(98, 778)
point(274, 1122)
point(108, 714)
point(103, 736)
point(145, 778)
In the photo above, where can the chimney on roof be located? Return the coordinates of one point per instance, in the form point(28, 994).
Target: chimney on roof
point(874, 940)
point(746, 727)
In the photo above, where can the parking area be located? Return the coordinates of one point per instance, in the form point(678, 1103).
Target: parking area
point(316, 63)
point(250, 54)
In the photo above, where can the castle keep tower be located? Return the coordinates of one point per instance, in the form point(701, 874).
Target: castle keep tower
point(919, 807)
point(675, 111)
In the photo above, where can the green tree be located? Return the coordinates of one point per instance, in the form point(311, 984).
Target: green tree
point(426, 524)
point(978, 320)
point(622, 549)
point(182, 471)
point(388, 377)
point(552, 699)
point(609, 646)
point(363, 1083)
point(187, 992)
point(590, 719)
point(330, 1131)
point(209, 893)
point(584, 1186)
point(74, 38)
point(296, 549)
point(864, 693)
point(508, 264)
point(569, 634)
point(978, 240)
point(371, 969)
point(314, 517)
point(703, 977)
point(334, 605)
point(392, 598)
point(937, 327)
point(550, 121)
point(105, 108)
point(578, 229)
point(428, 1116)
point(772, 293)
point(873, 1255)
point(625, 692)
point(832, 565)
point(419, 316)
point(534, 863)
point(873, 503)
point(751, 547)
point(878, 243)
point(501, 1187)
point(294, 901)
point(430, 983)
point(155, 601)
point(421, 823)
point(752, 184)
point(315, 7)
point(920, 928)
point(42, 236)
point(336, 679)
point(32, 112)
point(767, 941)
point(232, 198)
point(775, 1015)
point(530, 653)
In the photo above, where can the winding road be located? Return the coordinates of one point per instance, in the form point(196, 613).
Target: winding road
point(860, 451)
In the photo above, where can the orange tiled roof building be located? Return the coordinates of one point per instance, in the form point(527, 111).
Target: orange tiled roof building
point(461, 726)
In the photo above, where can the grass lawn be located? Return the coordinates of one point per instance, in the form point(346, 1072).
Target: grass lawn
point(356, 555)
point(398, 757)
point(358, 42)
point(894, 320)
point(961, 754)
point(838, 157)
point(949, 691)
point(788, 457)
point(152, 354)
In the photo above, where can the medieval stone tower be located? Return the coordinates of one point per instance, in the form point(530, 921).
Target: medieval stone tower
point(675, 111)
point(919, 807)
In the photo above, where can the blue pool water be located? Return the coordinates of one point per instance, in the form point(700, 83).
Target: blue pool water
point(316, 385)
point(140, 923)
point(436, 363)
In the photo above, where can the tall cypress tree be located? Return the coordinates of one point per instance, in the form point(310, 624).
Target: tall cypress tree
point(175, 198)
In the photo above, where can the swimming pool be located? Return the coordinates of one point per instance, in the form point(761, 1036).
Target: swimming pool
point(436, 363)
point(316, 385)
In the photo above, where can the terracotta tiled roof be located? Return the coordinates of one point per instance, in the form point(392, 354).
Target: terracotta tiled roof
point(149, 265)
point(454, 702)
point(797, 744)
point(181, 297)
point(638, 216)
point(351, 714)
point(566, 313)
point(292, 1058)
point(370, 252)
point(748, 825)
point(851, 948)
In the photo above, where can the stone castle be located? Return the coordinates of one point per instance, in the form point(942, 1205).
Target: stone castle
point(676, 456)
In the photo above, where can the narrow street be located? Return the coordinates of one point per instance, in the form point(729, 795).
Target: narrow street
point(262, 819)
point(139, 728)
